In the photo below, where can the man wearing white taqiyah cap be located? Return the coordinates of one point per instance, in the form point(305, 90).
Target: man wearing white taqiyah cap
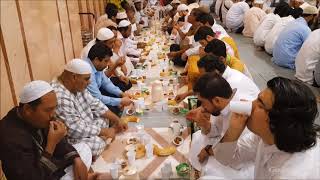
point(121, 16)
point(252, 18)
point(105, 35)
point(86, 117)
point(182, 11)
point(129, 47)
point(183, 8)
point(30, 129)
point(34, 90)
point(138, 8)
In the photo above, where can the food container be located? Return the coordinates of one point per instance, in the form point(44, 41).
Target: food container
point(183, 170)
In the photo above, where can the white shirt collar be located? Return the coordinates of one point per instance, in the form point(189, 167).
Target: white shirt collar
point(226, 110)
point(227, 73)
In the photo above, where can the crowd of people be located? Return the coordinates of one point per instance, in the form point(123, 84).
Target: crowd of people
point(61, 127)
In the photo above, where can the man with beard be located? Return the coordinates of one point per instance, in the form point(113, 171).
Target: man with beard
point(292, 37)
point(215, 93)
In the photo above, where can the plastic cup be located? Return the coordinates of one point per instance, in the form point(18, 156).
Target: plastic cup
point(114, 171)
point(241, 107)
point(131, 157)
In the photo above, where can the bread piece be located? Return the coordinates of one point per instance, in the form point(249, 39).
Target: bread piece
point(167, 151)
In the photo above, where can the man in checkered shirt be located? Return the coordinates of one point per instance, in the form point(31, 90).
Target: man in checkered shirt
point(86, 117)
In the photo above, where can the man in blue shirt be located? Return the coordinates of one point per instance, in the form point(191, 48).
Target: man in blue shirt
point(292, 37)
point(99, 57)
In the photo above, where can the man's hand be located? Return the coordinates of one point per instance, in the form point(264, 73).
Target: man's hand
point(202, 53)
point(184, 56)
point(124, 79)
point(141, 22)
point(125, 101)
point(79, 169)
point(177, 27)
point(172, 55)
point(107, 133)
point(57, 131)
point(121, 126)
point(203, 155)
point(200, 117)
point(94, 176)
point(120, 61)
point(117, 45)
point(181, 97)
point(191, 115)
point(238, 123)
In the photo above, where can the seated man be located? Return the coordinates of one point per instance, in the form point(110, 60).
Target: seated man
point(121, 16)
point(104, 35)
point(178, 61)
point(276, 154)
point(273, 34)
point(252, 18)
point(136, 29)
point(234, 17)
point(100, 85)
point(308, 57)
point(86, 117)
point(220, 32)
point(141, 18)
point(268, 22)
point(218, 48)
point(128, 48)
point(119, 74)
point(292, 37)
point(236, 79)
point(215, 93)
point(33, 143)
point(204, 35)
point(185, 36)
point(109, 17)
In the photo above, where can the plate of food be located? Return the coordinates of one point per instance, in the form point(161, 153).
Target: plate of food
point(178, 140)
point(133, 79)
point(129, 171)
point(164, 73)
point(122, 162)
point(174, 110)
point(137, 95)
point(132, 140)
point(166, 151)
point(172, 102)
point(130, 112)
